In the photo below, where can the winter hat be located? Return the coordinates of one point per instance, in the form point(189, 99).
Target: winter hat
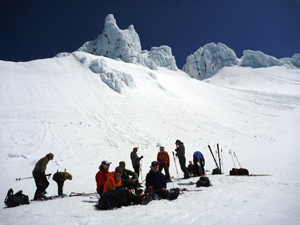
point(51, 155)
point(118, 169)
point(135, 148)
point(105, 162)
point(177, 141)
point(154, 164)
point(122, 163)
point(161, 148)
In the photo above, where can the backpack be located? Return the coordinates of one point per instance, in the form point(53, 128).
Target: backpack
point(12, 200)
point(173, 193)
point(240, 171)
point(203, 181)
point(115, 198)
point(216, 171)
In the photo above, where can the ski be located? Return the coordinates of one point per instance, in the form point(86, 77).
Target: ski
point(190, 183)
point(189, 190)
point(213, 156)
point(250, 175)
point(74, 194)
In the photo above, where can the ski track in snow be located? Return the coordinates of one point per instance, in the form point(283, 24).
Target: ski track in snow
point(58, 105)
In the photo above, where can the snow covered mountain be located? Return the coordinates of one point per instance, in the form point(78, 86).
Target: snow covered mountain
point(126, 46)
point(86, 108)
point(211, 58)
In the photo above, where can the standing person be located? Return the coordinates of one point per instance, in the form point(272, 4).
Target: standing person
point(163, 161)
point(40, 178)
point(180, 152)
point(198, 161)
point(135, 160)
point(60, 178)
point(156, 181)
point(129, 178)
point(102, 176)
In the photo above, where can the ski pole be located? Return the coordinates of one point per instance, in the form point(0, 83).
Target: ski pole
point(213, 156)
point(222, 158)
point(238, 161)
point(49, 174)
point(175, 165)
point(141, 170)
point(219, 157)
point(232, 160)
point(23, 178)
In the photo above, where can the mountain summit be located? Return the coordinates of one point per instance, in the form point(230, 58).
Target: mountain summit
point(125, 45)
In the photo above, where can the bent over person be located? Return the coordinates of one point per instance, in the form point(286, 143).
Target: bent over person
point(60, 178)
point(40, 178)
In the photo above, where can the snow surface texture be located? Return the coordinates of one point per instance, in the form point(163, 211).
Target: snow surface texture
point(63, 105)
point(211, 58)
point(125, 45)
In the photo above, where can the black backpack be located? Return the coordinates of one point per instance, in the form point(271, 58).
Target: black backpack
point(240, 171)
point(17, 199)
point(173, 193)
point(203, 181)
point(216, 171)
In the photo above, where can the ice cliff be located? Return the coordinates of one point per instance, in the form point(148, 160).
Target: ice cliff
point(211, 58)
point(125, 45)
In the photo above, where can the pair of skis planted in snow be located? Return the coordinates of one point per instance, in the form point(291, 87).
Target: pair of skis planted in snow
point(219, 167)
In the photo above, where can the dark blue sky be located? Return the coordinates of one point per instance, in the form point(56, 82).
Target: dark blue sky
point(40, 29)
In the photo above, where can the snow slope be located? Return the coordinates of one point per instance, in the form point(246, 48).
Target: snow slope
point(63, 106)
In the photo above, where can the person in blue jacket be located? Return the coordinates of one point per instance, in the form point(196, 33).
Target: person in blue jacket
point(199, 161)
point(156, 182)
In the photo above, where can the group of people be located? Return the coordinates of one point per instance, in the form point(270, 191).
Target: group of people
point(156, 181)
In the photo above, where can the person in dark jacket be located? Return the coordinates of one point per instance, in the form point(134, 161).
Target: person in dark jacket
point(135, 160)
point(156, 181)
point(129, 178)
point(60, 178)
point(199, 164)
point(40, 178)
point(180, 152)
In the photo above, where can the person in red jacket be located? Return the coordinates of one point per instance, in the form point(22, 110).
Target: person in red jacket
point(163, 161)
point(102, 176)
